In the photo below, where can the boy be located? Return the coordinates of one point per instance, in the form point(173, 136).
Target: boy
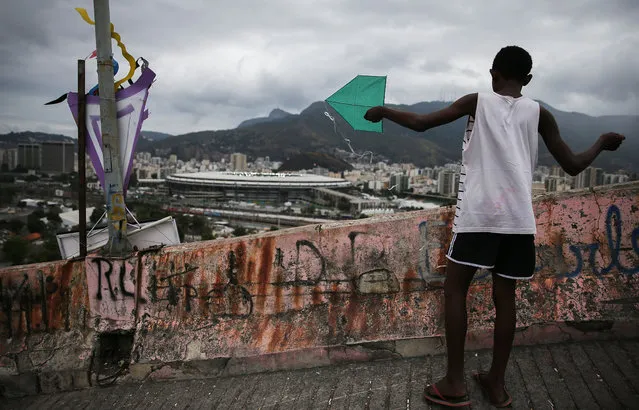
point(494, 225)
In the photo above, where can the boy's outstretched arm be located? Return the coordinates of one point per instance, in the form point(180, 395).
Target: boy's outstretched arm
point(572, 163)
point(466, 105)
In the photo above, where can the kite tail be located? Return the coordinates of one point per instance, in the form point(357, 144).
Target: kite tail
point(348, 141)
point(128, 57)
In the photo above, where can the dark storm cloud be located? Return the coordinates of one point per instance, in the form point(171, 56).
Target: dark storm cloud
point(220, 62)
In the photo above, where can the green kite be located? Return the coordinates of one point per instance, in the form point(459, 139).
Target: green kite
point(358, 96)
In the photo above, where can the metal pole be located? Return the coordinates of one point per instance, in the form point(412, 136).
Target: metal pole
point(82, 190)
point(118, 244)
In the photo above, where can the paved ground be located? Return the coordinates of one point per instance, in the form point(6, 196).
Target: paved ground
point(591, 375)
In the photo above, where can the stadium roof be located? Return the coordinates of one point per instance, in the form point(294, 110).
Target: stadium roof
point(253, 179)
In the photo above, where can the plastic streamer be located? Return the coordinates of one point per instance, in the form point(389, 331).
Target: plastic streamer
point(128, 57)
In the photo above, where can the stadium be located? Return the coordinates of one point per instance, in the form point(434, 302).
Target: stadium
point(270, 188)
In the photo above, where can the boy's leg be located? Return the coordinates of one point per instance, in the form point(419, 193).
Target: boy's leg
point(505, 322)
point(458, 279)
point(516, 261)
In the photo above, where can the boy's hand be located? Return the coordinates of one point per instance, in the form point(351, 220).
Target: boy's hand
point(374, 114)
point(611, 141)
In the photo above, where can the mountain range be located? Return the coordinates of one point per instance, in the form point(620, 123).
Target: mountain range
point(11, 139)
point(284, 136)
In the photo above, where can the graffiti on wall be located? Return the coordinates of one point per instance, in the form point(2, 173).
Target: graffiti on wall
point(373, 264)
point(24, 302)
point(600, 258)
point(285, 272)
point(113, 289)
point(172, 287)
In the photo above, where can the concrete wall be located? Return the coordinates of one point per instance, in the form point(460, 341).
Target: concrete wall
point(312, 295)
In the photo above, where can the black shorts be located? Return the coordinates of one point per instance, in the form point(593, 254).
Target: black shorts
point(507, 255)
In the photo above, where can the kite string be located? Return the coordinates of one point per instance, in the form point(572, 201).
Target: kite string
point(348, 141)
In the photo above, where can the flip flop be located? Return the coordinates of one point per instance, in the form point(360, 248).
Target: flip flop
point(448, 401)
point(499, 405)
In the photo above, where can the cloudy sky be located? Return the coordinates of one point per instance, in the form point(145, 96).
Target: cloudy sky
point(219, 62)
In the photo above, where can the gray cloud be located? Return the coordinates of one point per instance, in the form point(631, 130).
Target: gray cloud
point(220, 62)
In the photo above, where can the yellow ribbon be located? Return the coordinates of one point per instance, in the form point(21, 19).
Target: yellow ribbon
point(129, 58)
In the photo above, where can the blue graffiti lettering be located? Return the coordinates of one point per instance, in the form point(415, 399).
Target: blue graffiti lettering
point(613, 239)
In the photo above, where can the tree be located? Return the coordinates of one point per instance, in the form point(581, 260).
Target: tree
point(240, 231)
point(182, 222)
point(63, 178)
point(96, 215)
point(133, 181)
point(54, 217)
point(199, 225)
point(15, 250)
point(344, 206)
point(7, 195)
point(49, 251)
point(34, 223)
point(15, 225)
point(54, 220)
point(310, 210)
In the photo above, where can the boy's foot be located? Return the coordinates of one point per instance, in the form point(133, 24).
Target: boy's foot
point(446, 394)
point(496, 393)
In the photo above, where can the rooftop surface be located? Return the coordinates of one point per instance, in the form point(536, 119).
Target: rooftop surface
point(583, 375)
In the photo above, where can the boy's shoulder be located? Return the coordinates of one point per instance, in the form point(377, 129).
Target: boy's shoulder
point(495, 96)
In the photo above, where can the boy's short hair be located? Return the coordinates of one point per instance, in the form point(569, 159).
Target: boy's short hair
point(513, 63)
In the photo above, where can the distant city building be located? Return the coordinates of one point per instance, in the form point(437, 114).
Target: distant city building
point(557, 183)
point(448, 183)
point(399, 182)
point(48, 156)
point(238, 162)
point(538, 188)
point(429, 173)
point(610, 179)
point(30, 156)
point(144, 156)
point(557, 172)
point(143, 173)
point(375, 185)
point(590, 177)
point(320, 171)
point(453, 167)
point(551, 184)
point(9, 157)
point(57, 157)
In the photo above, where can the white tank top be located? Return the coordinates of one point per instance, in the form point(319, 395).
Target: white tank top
point(499, 155)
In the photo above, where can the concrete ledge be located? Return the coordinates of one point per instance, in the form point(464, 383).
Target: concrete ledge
point(23, 384)
point(30, 383)
point(372, 351)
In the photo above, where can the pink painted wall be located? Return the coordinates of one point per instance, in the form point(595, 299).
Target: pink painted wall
point(326, 285)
